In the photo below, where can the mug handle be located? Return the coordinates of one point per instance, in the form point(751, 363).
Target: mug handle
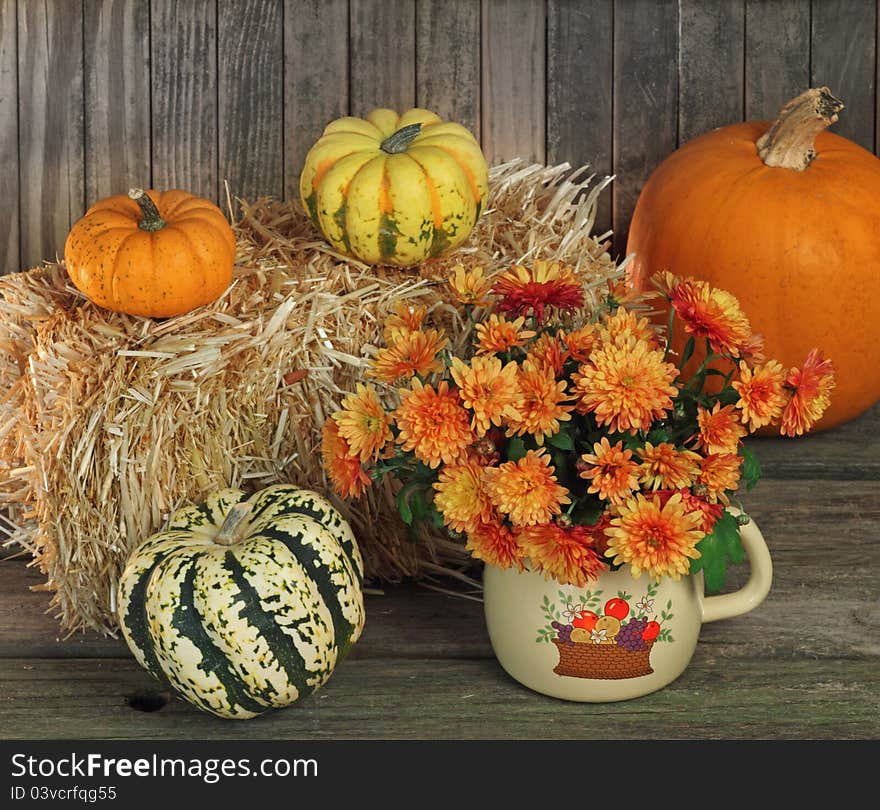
point(728, 605)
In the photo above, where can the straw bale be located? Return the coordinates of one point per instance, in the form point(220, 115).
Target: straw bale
point(109, 422)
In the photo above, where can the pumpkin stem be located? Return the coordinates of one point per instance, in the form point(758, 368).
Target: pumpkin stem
point(790, 141)
point(232, 523)
point(151, 220)
point(399, 141)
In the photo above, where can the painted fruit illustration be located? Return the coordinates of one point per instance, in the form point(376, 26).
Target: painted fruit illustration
point(610, 625)
point(618, 608)
point(611, 642)
point(651, 631)
point(587, 620)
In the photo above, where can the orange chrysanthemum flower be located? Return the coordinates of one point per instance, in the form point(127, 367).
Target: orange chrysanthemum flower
point(623, 325)
point(488, 389)
point(720, 430)
point(406, 318)
point(363, 423)
point(413, 353)
point(626, 387)
point(567, 555)
point(461, 496)
point(344, 469)
point(707, 512)
point(665, 467)
point(543, 406)
point(537, 291)
point(719, 472)
point(580, 342)
point(433, 424)
point(497, 334)
point(658, 539)
point(761, 395)
point(548, 350)
point(752, 351)
point(711, 313)
point(526, 490)
point(811, 388)
point(470, 286)
point(493, 543)
point(612, 471)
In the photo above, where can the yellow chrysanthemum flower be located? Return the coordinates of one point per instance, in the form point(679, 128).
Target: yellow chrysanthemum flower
point(659, 540)
point(489, 390)
point(363, 423)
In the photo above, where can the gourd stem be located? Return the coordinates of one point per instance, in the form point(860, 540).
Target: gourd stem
point(151, 220)
point(790, 141)
point(399, 141)
point(228, 534)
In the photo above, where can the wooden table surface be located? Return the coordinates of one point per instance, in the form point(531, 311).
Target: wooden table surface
point(805, 664)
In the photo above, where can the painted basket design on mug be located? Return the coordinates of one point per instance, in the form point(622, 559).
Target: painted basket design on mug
point(612, 642)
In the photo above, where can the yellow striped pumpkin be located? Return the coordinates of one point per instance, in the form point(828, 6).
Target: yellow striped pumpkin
point(394, 189)
point(245, 604)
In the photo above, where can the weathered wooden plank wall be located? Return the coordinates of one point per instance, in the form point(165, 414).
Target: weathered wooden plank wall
point(97, 95)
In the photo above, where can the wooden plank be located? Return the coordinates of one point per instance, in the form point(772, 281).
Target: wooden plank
point(842, 58)
point(846, 452)
point(828, 538)
point(183, 53)
point(9, 222)
point(448, 60)
point(711, 63)
point(315, 77)
point(777, 55)
point(645, 99)
point(116, 37)
point(716, 698)
point(579, 112)
point(51, 137)
point(383, 55)
point(514, 86)
point(250, 94)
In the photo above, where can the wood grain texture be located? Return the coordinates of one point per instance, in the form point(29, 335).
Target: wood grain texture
point(250, 35)
point(645, 99)
point(842, 58)
point(514, 80)
point(383, 55)
point(406, 699)
point(184, 96)
point(448, 60)
point(777, 61)
point(813, 540)
point(847, 452)
point(50, 116)
point(315, 88)
point(580, 63)
point(711, 59)
point(9, 241)
point(116, 39)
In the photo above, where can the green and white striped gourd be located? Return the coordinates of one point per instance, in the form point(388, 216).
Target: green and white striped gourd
point(245, 604)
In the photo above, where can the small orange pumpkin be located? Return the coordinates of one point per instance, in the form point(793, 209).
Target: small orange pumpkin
point(787, 218)
point(151, 253)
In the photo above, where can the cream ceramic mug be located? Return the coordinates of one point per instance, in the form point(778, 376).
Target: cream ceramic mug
point(616, 639)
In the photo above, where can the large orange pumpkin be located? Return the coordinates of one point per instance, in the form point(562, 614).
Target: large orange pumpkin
point(151, 253)
point(787, 218)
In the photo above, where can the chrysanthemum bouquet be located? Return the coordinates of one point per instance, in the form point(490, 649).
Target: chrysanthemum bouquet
point(568, 437)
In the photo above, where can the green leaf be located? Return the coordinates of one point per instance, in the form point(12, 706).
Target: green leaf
point(751, 468)
point(715, 549)
point(403, 507)
point(688, 351)
point(516, 449)
point(562, 440)
point(657, 436)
